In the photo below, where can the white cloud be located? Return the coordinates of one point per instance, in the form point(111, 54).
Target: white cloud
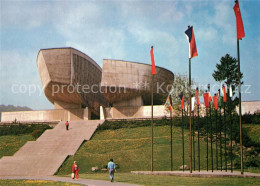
point(85, 28)
point(206, 34)
point(224, 19)
point(18, 74)
point(25, 14)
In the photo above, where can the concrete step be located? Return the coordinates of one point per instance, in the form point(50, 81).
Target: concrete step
point(31, 165)
point(41, 147)
point(45, 155)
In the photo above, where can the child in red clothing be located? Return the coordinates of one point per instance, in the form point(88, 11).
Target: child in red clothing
point(67, 125)
point(75, 170)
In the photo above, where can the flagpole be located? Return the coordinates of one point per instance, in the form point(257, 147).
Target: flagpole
point(216, 125)
point(240, 119)
point(225, 136)
point(190, 114)
point(193, 140)
point(220, 132)
point(171, 139)
point(152, 126)
point(230, 120)
point(240, 35)
point(211, 147)
point(182, 140)
point(198, 137)
point(207, 139)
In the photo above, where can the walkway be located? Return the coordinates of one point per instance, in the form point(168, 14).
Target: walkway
point(44, 156)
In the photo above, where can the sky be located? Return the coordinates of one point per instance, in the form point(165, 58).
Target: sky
point(124, 29)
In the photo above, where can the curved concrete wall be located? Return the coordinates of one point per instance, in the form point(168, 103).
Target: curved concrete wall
point(67, 76)
point(124, 80)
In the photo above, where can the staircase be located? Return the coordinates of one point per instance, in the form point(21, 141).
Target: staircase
point(44, 156)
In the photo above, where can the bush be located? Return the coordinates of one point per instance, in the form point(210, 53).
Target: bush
point(251, 118)
point(113, 125)
point(36, 133)
point(22, 129)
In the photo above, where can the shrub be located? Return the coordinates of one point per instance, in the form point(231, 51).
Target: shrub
point(36, 133)
point(22, 129)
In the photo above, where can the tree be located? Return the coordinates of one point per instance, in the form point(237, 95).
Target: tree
point(227, 71)
point(181, 85)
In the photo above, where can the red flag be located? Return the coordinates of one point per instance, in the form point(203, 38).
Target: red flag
point(206, 99)
point(215, 101)
point(192, 44)
point(224, 93)
point(239, 21)
point(197, 96)
point(152, 60)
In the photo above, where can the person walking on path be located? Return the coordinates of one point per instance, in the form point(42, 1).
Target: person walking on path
point(112, 169)
point(75, 170)
point(67, 125)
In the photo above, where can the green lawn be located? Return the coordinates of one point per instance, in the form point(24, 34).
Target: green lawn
point(130, 148)
point(253, 131)
point(11, 143)
point(34, 183)
point(156, 180)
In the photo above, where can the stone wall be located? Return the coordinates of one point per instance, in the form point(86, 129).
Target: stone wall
point(47, 115)
point(133, 112)
point(249, 107)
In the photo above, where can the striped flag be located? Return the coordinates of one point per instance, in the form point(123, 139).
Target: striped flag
point(192, 44)
point(182, 101)
point(170, 102)
point(209, 97)
point(239, 21)
point(221, 90)
point(152, 61)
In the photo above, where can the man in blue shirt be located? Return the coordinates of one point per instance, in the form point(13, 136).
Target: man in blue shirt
point(112, 169)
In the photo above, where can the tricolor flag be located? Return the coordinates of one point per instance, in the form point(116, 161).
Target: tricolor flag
point(192, 44)
point(215, 101)
point(152, 60)
point(197, 96)
point(206, 99)
point(209, 97)
point(192, 103)
point(224, 93)
point(209, 93)
point(170, 102)
point(230, 91)
point(239, 21)
point(182, 101)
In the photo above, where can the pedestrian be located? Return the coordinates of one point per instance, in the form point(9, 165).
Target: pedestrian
point(112, 169)
point(67, 125)
point(75, 170)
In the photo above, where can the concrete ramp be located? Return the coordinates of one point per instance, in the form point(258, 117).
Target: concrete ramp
point(44, 156)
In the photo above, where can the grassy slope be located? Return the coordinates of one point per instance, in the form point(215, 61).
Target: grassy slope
point(253, 131)
point(10, 144)
point(130, 148)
